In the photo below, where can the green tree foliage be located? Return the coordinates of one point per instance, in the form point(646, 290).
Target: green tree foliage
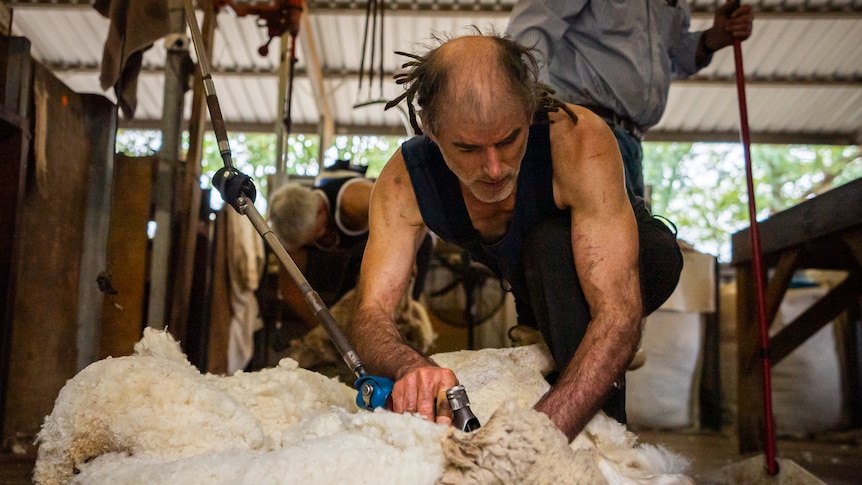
point(138, 143)
point(701, 187)
point(370, 151)
point(254, 154)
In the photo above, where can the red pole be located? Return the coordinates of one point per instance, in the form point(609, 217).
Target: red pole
point(771, 466)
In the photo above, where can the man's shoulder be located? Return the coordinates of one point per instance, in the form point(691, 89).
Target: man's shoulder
point(583, 120)
point(570, 135)
point(416, 149)
point(580, 147)
point(394, 172)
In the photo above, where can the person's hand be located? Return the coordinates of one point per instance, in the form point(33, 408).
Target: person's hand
point(732, 21)
point(423, 391)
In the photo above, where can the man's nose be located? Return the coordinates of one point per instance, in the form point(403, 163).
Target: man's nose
point(492, 165)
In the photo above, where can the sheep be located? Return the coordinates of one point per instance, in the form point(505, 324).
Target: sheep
point(339, 446)
point(506, 451)
point(156, 402)
point(153, 418)
point(492, 376)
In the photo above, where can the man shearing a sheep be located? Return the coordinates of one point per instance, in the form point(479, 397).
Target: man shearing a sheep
point(534, 189)
point(324, 229)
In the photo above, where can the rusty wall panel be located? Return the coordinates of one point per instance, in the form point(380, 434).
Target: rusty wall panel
point(15, 78)
point(123, 313)
point(51, 234)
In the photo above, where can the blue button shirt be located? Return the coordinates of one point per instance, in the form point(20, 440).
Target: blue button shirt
point(619, 54)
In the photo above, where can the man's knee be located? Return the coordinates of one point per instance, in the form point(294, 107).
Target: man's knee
point(660, 263)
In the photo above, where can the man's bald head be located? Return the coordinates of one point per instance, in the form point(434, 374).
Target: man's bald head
point(474, 78)
point(476, 83)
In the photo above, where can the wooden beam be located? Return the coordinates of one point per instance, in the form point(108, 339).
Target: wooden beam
point(188, 195)
point(502, 8)
point(326, 124)
point(779, 282)
point(826, 309)
point(811, 220)
point(749, 382)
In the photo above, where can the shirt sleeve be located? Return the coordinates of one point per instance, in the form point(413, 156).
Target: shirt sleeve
point(542, 24)
point(684, 51)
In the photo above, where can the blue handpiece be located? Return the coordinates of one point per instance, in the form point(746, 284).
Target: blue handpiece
point(373, 391)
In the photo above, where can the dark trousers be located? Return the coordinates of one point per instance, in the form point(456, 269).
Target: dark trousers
point(559, 308)
point(633, 155)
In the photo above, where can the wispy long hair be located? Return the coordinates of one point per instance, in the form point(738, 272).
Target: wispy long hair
point(425, 80)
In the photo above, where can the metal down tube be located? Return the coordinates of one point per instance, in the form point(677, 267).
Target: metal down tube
point(209, 87)
point(238, 190)
point(311, 296)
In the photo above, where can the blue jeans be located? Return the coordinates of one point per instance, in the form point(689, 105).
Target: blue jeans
point(633, 155)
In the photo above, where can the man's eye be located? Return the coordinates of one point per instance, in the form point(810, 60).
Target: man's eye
point(507, 141)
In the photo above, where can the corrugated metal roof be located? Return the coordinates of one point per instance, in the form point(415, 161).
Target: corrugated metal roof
point(803, 67)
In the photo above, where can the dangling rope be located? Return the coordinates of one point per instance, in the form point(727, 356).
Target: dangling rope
point(372, 43)
point(371, 13)
point(771, 465)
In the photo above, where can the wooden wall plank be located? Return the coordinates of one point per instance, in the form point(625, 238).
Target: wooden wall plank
point(43, 351)
point(123, 313)
point(15, 79)
point(220, 313)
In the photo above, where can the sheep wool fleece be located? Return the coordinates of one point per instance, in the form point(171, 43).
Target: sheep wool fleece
point(153, 418)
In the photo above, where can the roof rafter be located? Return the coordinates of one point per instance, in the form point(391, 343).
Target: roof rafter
point(822, 81)
point(805, 9)
point(655, 135)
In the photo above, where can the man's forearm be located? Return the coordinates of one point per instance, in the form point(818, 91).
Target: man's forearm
point(380, 346)
point(583, 386)
point(706, 46)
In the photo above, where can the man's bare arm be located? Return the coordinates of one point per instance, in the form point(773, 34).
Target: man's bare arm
point(394, 227)
point(354, 204)
point(292, 296)
point(396, 231)
point(605, 247)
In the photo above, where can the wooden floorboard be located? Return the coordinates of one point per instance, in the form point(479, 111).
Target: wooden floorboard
point(16, 469)
point(834, 458)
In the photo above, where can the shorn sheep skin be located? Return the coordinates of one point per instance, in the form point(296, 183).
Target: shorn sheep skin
point(154, 418)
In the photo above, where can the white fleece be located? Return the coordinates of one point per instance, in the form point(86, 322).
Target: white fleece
point(153, 418)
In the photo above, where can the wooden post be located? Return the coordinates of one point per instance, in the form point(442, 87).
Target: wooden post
point(123, 313)
point(188, 197)
point(54, 234)
point(176, 78)
point(14, 143)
